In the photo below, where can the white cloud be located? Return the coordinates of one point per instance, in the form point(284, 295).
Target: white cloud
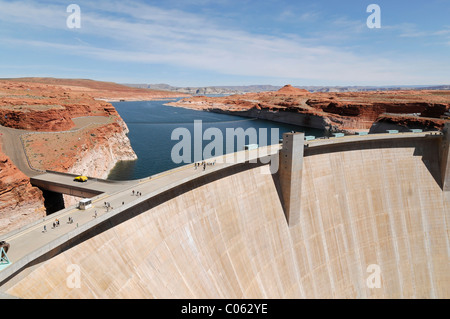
point(32, 14)
point(411, 30)
point(141, 33)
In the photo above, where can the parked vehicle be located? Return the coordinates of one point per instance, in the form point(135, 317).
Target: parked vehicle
point(85, 203)
point(81, 179)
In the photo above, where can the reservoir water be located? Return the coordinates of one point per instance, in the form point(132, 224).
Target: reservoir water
point(151, 124)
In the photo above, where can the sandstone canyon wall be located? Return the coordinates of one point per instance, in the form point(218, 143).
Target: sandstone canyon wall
point(349, 112)
point(20, 203)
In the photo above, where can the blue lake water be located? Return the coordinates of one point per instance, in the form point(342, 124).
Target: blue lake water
point(151, 124)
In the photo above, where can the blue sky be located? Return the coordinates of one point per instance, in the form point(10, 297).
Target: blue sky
point(228, 42)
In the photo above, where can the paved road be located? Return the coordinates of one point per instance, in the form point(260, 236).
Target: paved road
point(64, 183)
point(33, 237)
point(371, 137)
point(13, 148)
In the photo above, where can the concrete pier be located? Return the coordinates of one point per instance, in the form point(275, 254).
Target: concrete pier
point(445, 159)
point(291, 166)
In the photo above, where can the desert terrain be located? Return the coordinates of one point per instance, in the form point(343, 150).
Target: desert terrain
point(62, 127)
point(107, 91)
point(349, 111)
point(381, 204)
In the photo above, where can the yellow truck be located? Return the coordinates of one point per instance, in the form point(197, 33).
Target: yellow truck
point(81, 179)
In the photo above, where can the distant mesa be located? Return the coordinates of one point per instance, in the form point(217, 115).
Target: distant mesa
point(289, 89)
point(100, 90)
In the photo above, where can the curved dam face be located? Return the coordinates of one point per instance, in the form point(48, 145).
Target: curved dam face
point(379, 204)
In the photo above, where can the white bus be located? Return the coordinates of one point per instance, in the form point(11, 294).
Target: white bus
point(85, 203)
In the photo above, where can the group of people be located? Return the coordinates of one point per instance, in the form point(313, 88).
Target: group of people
point(107, 206)
point(204, 164)
point(56, 224)
point(136, 193)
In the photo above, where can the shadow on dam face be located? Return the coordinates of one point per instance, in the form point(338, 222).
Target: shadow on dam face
point(226, 236)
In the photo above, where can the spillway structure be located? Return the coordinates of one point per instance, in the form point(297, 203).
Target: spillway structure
point(348, 217)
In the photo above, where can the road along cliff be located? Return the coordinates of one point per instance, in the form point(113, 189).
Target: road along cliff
point(57, 129)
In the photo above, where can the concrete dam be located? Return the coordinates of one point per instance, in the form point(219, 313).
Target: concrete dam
point(362, 201)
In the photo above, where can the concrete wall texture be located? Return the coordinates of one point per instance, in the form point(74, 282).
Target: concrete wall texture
point(290, 175)
point(377, 204)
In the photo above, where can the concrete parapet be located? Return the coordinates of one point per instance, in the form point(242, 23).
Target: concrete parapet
point(291, 166)
point(445, 158)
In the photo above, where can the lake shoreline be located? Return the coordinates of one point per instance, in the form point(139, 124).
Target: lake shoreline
point(151, 124)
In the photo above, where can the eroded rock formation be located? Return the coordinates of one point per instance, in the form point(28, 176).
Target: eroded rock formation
point(61, 129)
point(20, 203)
point(350, 111)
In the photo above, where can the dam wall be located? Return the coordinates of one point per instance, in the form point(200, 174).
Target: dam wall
point(290, 175)
point(374, 203)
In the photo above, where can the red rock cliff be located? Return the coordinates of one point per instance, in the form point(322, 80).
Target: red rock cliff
point(20, 203)
point(351, 111)
point(61, 129)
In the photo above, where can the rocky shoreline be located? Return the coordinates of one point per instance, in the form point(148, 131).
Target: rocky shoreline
point(334, 112)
